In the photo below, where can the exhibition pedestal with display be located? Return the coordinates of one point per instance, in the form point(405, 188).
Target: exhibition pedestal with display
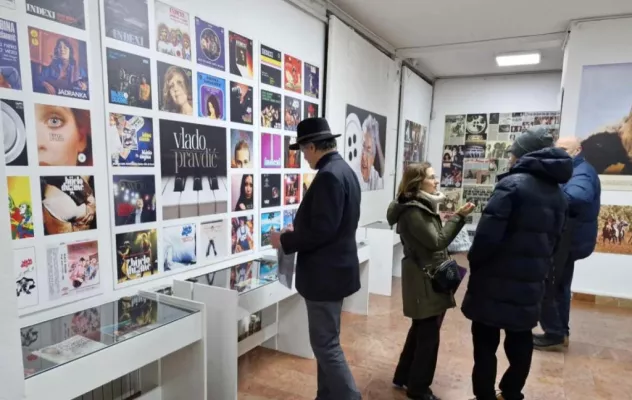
point(386, 256)
point(162, 336)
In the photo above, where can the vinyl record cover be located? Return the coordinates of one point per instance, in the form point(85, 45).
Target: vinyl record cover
point(270, 222)
point(64, 136)
point(134, 199)
point(211, 97)
point(210, 45)
point(310, 110)
point(271, 114)
point(59, 64)
point(288, 218)
point(136, 255)
point(312, 81)
point(26, 282)
point(242, 188)
point(172, 31)
point(130, 140)
point(242, 233)
point(176, 89)
point(268, 271)
point(214, 240)
point(68, 204)
point(271, 156)
point(242, 149)
point(67, 12)
point(293, 72)
point(129, 79)
point(241, 63)
point(10, 75)
point(127, 21)
point(73, 269)
point(291, 192)
point(292, 157)
point(134, 316)
point(292, 115)
point(179, 247)
point(20, 207)
point(14, 131)
point(270, 190)
point(70, 349)
point(241, 276)
point(241, 103)
point(271, 60)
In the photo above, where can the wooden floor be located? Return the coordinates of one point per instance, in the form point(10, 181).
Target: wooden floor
point(598, 364)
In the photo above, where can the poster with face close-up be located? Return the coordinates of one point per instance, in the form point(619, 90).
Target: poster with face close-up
point(172, 31)
point(243, 192)
point(67, 12)
point(59, 64)
point(242, 149)
point(175, 89)
point(211, 97)
point(64, 136)
point(14, 130)
point(10, 76)
point(127, 21)
point(68, 204)
point(129, 79)
point(130, 140)
point(210, 45)
point(365, 146)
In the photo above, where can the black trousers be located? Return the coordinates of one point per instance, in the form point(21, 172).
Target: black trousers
point(418, 361)
point(519, 350)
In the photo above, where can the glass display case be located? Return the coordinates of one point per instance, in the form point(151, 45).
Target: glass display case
point(54, 343)
point(244, 277)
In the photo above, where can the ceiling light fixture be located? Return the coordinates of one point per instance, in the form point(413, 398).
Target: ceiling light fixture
point(512, 60)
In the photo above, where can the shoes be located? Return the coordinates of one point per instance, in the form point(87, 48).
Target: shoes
point(398, 386)
point(567, 341)
point(428, 396)
point(548, 343)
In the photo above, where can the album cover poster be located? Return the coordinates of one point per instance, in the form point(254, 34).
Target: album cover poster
point(69, 350)
point(242, 192)
point(67, 12)
point(268, 271)
point(271, 110)
point(64, 136)
point(475, 145)
point(136, 255)
point(193, 160)
point(242, 149)
point(292, 193)
point(613, 237)
point(134, 199)
point(270, 66)
point(14, 130)
point(498, 150)
point(131, 140)
point(452, 166)
point(414, 142)
point(307, 181)
point(310, 110)
point(211, 97)
point(479, 196)
point(476, 124)
point(127, 21)
point(241, 63)
point(129, 79)
point(214, 240)
point(270, 222)
point(26, 283)
point(179, 244)
point(135, 315)
point(73, 269)
point(172, 31)
point(454, 129)
point(241, 103)
point(292, 113)
point(271, 151)
point(270, 190)
point(288, 218)
point(68, 204)
point(242, 233)
point(365, 147)
point(293, 74)
point(10, 76)
point(479, 172)
point(59, 64)
point(20, 207)
point(175, 85)
point(210, 45)
point(292, 157)
point(312, 80)
point(453, 201)
point(241, 276)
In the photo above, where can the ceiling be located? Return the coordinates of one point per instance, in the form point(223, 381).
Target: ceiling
point(462, 37)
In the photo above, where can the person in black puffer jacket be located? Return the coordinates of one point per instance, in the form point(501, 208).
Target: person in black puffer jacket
point(510, 259)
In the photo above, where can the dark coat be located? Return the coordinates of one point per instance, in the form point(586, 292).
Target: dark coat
point(515, 241)
point(583, 192)
point(425, 242)
point(324, 236)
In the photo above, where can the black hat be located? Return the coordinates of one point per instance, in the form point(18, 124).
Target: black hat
point(531, 140)
point(312, 130)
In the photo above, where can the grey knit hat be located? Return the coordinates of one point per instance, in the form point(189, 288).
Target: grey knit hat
point(531, 140)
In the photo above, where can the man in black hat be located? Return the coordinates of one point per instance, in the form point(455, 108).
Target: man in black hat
point(510, 259)
point(327, 266)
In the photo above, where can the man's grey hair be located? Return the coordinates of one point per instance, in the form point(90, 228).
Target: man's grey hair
point(371, 126)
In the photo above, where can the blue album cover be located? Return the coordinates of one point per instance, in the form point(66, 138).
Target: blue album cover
point(179, 246)
point(9, 56)
point(211, 97)
point(270, 222)
point(312, 80)
point(288, 218)
point(268, 271)
point(131, 140)
point(211, 51)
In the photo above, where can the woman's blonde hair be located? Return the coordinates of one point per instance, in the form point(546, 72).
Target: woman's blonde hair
point(414, 175)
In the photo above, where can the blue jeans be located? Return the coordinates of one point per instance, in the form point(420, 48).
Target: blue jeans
point(557, 311)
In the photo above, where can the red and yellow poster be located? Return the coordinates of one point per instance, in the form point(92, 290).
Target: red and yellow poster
point(20, 207)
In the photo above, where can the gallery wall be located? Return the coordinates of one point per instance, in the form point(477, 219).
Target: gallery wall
point(597, 95)
point(414, 121)
point(147, 146)
point(362, 96)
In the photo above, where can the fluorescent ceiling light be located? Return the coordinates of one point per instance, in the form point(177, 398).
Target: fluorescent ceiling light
point(512, 60)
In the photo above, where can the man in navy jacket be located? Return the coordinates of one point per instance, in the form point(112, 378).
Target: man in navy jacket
point(583, 193)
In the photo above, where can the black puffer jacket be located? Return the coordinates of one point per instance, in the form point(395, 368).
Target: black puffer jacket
point(515, 240)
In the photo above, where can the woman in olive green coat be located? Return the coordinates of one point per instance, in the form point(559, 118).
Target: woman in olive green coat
point(425, 242)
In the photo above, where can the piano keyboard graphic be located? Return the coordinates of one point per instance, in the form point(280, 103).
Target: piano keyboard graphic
point(192, 196)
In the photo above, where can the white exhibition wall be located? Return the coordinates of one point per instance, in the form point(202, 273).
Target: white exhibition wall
point(358, 74)
point(416, 104)
point(597, 43)
point(301, 36)
point(494, 94)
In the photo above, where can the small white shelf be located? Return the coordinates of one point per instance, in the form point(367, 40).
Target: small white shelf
point(257, 339)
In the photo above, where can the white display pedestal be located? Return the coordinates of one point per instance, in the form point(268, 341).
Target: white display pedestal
point(358, 303)
point(398, 254)
point(171, 359)
point(382, 241)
